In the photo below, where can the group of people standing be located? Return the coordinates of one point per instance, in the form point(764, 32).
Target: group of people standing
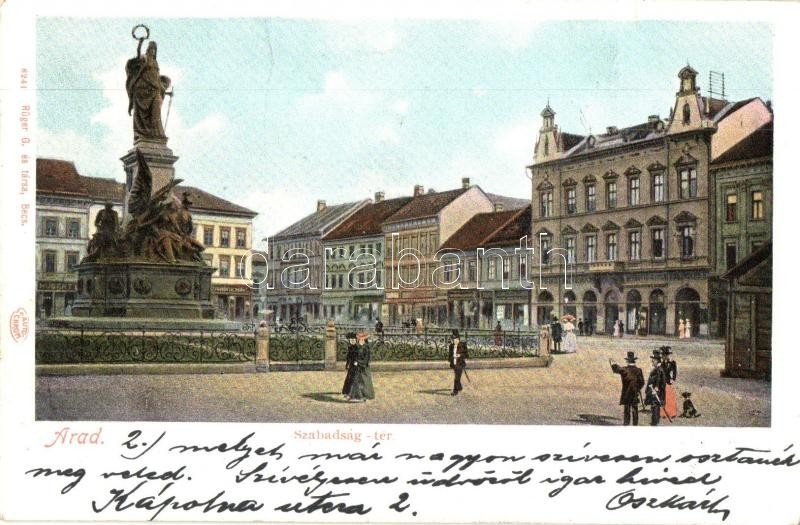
point(358, 381)
point(684, 328)
point(358, 385)
point(660, 393)
point(551, 336)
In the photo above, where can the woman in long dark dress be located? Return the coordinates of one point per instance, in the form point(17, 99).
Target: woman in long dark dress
point(352, 352)
point(361, 387)
point(670, 403)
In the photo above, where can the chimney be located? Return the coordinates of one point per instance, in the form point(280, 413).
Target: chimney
point(321, 205)
point(465, 182)
point(419, 189)
point(498, 206)
point(612, 130)
point(379, 195)
point(653, 120)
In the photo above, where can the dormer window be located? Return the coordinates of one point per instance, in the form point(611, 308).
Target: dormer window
point(687, 113)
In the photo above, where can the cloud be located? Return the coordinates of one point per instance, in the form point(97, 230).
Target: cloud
point(512, 34)
point(96, 152)
point(400, 106)
point(381, 37)
point(278, 207)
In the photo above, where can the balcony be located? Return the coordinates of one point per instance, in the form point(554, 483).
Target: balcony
point(605, 266)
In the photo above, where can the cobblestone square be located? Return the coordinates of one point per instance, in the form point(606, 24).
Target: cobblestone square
point(577, 389)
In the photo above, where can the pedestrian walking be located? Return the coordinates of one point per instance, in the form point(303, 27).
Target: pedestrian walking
point(379, 329)
point(632, 382)
point(498, 335)
point(621, 329)
point(556, 333)
point(545, 341)
point(670, 408)
point(681, 329)
point(352, 352)
point(616, 328)
point(688, 332)
point(457, 355)
point(570, 341)
point(656, 387)
point(361, 387)
point(580, 326)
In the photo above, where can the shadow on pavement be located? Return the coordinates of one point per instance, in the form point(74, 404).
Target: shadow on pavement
point(436, 392)
point(327, 397)
point(594, 419)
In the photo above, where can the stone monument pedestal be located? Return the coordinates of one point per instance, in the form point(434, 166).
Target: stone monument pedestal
point(141, 289)
point(160, 160)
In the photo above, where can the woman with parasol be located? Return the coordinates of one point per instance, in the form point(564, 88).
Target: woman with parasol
point(570, 340)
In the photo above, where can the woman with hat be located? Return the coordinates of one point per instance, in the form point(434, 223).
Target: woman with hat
point(656, 387)
point(361, 387)
point(670, 367)
point(352, 352)
point(570, 341)
point(632, 383)
point(457, 355)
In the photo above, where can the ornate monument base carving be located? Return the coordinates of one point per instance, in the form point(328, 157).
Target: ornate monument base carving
point(144, 290)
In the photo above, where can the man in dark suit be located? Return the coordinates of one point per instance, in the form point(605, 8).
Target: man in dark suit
point(457, 355)
point(656, 388)
point(555, 332)
point(632, 383)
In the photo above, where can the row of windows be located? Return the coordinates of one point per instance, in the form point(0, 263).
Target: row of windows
point(224, 236)
point(424, 243)
point(345, 252)
point(756, 206)
point(225, 266)
point(687, 179)
point(686, 241)
point(280, 250)
point(731, 253)
point(359, 280)
point(51, 227)
point(50, 261)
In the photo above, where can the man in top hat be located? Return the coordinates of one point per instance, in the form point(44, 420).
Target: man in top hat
point(632, 383)
point(556, 331)
point(656, 388)
point(457, 355)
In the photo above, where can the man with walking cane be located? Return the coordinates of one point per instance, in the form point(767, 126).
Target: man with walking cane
point(632, 383)
point(457, 356)
point(656, 388)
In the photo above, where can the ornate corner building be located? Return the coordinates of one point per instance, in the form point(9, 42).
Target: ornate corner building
point(631, 215)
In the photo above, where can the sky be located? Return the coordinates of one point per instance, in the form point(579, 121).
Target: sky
point(274, 114)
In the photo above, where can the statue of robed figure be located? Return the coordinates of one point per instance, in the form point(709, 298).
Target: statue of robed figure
point(146, 89)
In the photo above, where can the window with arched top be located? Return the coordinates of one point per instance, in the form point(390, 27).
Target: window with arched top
point(687, 113)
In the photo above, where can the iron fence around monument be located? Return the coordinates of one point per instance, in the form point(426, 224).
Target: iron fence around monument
point(88, 346)
point(396, 344)
point(306, 344)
